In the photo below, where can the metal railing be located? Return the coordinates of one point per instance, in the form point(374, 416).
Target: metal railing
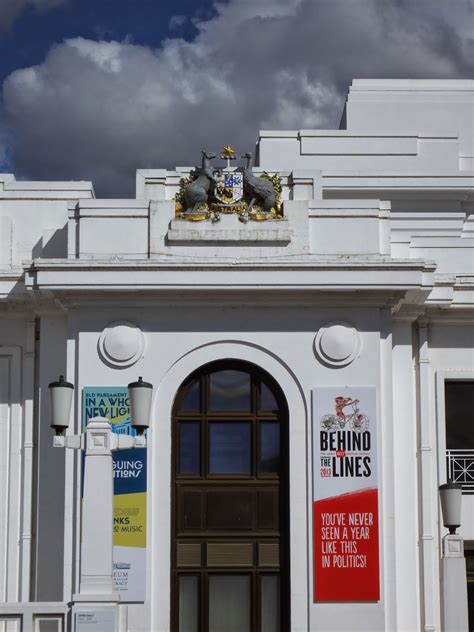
point(33, 617)
point(460, 468)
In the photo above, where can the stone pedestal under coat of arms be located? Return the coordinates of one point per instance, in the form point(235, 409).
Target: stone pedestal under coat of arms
point(209, 191)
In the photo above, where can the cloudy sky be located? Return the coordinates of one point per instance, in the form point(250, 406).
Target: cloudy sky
point(94, 89)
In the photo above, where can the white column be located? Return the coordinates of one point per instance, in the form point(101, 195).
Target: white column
point(428, 487)
point(455, 613)
point(72, 472)
point(97, 515)
point(387, 498)
point(28, 446)
point(405, 467)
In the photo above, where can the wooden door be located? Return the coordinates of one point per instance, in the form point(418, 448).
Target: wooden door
point(230, 502)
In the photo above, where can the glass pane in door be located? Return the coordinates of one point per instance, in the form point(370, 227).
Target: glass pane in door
point(188, 603)
point(191, 402)
point(270, 603)
point(230, 450)
point(229, 391)
point(189, 447)
point(229, 603)
point(268, 402)
point(269, 447)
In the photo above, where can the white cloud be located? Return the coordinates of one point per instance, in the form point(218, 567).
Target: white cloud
point(176, 22)
point(106, 58)
point(10, 9)
point(100, 110)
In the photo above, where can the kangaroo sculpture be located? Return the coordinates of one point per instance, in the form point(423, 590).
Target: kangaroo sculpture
point(196, 194)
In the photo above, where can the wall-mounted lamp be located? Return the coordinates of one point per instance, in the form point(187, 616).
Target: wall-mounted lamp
point(453, 563)
point(450, 496)
point(60, 394)
point(140, 394)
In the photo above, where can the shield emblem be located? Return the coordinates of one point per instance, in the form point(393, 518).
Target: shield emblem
point(228, 188)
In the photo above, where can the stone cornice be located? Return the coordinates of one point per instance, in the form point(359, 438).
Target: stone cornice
point(457, 185)
point(292, 274)
point(343, 281)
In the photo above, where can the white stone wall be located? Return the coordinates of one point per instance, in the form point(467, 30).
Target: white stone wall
point(33, 223)
point(434, 106)
point(378, 232)
point(175, 348)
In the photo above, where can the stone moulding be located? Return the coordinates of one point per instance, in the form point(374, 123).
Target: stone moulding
point(337, 344)
point(229, 231)
point(121, 344)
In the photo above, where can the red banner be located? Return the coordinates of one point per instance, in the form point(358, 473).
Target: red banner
point(345, 495)
point(346, 547)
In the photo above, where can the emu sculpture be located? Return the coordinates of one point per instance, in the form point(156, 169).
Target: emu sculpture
point(258, 189)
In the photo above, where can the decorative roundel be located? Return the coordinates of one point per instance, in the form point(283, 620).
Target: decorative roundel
point(121, 344)
point(337, 344)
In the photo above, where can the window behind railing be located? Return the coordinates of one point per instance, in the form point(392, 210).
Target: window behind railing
point(459, 403)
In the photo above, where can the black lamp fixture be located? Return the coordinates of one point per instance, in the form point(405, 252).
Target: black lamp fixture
point(60, 393)
point(140, 394)
point(450, 496)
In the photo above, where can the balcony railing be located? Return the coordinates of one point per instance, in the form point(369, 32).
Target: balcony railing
point(460, 468)
point(33, 617)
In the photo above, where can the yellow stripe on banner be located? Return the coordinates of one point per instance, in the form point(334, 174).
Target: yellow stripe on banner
point(119, 419)
point(130, 520)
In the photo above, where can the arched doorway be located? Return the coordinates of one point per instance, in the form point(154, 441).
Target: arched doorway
point(229, 560)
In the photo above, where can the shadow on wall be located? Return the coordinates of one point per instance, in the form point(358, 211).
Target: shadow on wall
point(52, 244)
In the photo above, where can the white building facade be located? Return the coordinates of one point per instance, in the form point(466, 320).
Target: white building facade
point(362, 289)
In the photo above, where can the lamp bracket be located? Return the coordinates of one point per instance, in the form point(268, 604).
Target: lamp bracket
point(74, 442)
point(453, 546)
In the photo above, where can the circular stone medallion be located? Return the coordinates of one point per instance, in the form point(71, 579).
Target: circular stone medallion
point(337, 344)
point(121, 344)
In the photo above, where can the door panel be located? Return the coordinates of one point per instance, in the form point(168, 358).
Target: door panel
point(229, 603)
point(189, 603)
point(230, 509)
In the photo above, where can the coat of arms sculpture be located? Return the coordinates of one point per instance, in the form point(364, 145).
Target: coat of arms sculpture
point(208, 192)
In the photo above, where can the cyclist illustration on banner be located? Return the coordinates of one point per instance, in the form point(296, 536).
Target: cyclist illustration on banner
point(340, 420)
